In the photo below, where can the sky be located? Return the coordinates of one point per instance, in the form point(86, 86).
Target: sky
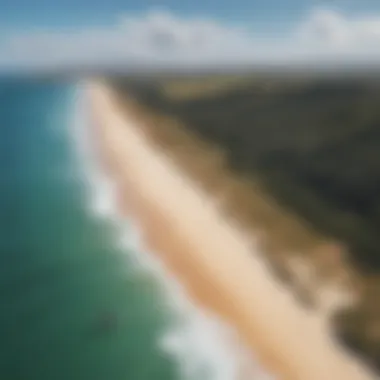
point(37, 33)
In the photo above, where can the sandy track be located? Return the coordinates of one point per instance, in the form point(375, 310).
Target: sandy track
point(221, 270)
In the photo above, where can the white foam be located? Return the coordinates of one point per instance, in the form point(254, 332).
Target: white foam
point(203, 347)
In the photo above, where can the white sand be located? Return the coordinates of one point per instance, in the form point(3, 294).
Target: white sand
point(223, 268)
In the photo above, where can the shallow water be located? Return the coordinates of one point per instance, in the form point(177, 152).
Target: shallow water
point(79, 299)
point(61, 272)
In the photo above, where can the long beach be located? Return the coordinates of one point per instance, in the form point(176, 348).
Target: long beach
point(221, 269)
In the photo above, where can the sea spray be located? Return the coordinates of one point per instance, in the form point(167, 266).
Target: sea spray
point(203, 346)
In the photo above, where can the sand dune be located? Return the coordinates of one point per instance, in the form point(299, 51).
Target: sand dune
point(219, 266)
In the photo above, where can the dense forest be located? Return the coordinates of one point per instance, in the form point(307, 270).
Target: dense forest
point(315, 144)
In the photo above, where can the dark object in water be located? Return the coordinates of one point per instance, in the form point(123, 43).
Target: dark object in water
point(105, 324)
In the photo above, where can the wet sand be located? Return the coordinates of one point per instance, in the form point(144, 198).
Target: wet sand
point(221, 270)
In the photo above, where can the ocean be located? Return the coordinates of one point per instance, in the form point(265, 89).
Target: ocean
point(79, 297)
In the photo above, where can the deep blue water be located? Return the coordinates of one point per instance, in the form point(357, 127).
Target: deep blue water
point(72, 305)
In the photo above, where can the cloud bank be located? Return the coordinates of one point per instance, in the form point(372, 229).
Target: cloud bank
point(162, 38)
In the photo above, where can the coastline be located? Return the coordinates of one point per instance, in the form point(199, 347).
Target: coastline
point(224, 275)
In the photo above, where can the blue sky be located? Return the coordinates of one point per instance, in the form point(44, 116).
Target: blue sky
point(25, 14)
point(48, 32)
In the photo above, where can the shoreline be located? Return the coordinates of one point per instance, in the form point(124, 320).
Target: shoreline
point(223, 275)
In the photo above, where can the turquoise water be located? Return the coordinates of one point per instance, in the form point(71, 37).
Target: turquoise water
point(73, 305)
point(79, 298)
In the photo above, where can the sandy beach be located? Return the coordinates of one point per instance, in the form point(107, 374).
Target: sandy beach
point(221, 269)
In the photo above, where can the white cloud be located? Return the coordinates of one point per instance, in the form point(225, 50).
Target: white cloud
point(331, 29)
point(161, 37)
point(327, 28)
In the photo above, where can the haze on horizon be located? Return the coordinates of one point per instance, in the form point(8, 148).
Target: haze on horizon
point(123, 35)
